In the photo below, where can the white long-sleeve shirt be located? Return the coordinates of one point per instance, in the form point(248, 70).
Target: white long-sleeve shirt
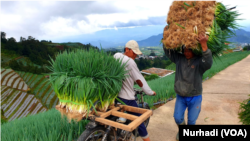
point(127, 91)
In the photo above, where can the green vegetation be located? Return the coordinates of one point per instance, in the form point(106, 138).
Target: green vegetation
point(172, 66)
point(247, 48)
point(3, 119)
point(151, 77)
point(222, 29)
point(143, 64)
point(80, 78)
point(46, 126)
point(164, 87)
point(223, 62)
point(36, 54)
point(244, 113)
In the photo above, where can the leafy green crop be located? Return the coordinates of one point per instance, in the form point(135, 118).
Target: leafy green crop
point(47, 126)
point(81, 78)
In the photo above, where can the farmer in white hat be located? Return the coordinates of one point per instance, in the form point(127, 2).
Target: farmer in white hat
point(127, 93)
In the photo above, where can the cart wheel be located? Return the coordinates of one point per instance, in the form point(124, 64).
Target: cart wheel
point(96, 134)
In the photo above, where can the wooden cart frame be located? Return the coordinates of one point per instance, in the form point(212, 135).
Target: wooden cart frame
point(117, 111)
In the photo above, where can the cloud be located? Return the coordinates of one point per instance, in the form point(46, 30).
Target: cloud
point(54, 19)
point(51, 20)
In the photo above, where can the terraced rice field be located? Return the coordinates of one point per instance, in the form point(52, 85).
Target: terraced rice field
point(39, 87)
point(17, 104)
point(12, 79)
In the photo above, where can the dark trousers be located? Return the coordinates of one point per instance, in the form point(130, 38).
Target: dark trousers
point(142, 129)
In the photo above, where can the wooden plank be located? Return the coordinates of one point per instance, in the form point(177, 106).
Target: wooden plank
point(124, 115)
point(134, 124)
point(133, 109)
point(109, 112)
point(113, 124)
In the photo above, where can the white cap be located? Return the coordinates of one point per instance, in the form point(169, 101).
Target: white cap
point(132, 44)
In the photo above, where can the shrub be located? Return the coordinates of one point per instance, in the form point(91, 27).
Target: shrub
point(244, 113)
point(151, 77)
point(246, 48)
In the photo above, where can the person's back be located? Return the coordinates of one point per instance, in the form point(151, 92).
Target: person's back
point(127, 94)
point(134, 75)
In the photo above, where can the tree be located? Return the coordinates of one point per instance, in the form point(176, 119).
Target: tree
point(14, 65)
point(12, 39)
point(11, 44)
point(3, 35)
point(31, 38)
point(22, 39)
point(152, 53)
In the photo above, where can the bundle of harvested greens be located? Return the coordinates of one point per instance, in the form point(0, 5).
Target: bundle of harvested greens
point(186, 19)
point(80, 78)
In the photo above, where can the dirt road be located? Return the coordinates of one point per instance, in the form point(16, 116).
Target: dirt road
point(220, 102)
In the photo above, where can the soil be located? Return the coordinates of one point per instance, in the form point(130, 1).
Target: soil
point(157, 106)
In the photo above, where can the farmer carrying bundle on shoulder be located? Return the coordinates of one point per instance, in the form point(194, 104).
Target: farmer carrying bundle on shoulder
point(190, 23)
point(188, 80)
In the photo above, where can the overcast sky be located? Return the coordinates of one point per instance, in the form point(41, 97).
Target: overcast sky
point(55, 20)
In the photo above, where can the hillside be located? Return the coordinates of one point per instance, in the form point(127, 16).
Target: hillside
point(25, 93)
point(242, 36)
point(151, 41)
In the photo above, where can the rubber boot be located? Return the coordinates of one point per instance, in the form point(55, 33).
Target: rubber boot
point(177, 136)
point(147, 139)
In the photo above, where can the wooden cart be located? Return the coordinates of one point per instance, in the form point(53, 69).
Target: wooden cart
point(117, 111)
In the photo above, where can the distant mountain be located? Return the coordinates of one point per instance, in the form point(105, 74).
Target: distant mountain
point(151, 41)
point(242, 36)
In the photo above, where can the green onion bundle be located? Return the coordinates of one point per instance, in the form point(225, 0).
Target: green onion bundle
point(186, 19)
point(81, 78)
